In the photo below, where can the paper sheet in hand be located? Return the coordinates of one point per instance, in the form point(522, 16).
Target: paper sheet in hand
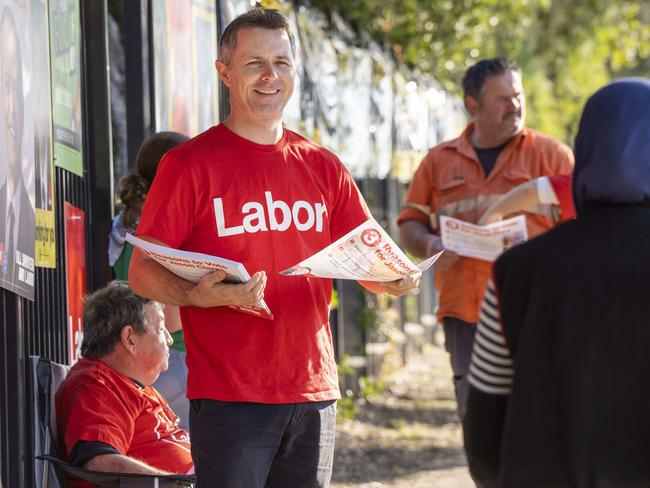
point(191, 266)
point(366, 253)
point(482, 241)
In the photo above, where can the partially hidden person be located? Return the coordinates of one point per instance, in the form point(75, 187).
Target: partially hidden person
point(172, 383)
point(559, 385)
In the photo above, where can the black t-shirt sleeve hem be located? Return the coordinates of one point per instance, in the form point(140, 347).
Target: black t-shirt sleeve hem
point(84, 451)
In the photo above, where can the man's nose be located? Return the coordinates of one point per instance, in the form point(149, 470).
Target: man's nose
point(168, 338)
point(269, 72)
point(515, 104)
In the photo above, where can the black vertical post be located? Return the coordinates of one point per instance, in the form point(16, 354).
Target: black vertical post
point(98, 152)
point(138, 82)
point(224, 94)
point(12, 413)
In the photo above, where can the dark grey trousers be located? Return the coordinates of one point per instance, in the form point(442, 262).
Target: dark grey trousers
point(255, 445)
point(459, 341)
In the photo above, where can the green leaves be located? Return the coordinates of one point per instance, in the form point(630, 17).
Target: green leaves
point(566, 48)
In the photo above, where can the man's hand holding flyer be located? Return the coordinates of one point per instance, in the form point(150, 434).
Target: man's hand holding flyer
point(366, 253)
point(485, 242)
point(192, 266)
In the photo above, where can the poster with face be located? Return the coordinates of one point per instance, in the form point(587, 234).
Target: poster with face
point(75, 271)
point(17, 221)
point(65, 45)
point(43, 156)
point(205, 107)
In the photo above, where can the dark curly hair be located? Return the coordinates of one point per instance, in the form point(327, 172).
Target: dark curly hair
point(134, 186)
point(476, 75)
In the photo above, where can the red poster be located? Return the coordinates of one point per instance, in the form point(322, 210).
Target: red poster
point(75, 270)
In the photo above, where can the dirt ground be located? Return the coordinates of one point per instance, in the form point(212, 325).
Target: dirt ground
point(407, 437)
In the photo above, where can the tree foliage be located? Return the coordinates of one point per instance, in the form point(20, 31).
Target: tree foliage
point(566, 48)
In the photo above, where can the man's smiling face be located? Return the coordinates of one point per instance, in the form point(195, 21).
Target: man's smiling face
point(260, 75)
point(11, 94)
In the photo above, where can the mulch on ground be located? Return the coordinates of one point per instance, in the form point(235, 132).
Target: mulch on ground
point(409, 436)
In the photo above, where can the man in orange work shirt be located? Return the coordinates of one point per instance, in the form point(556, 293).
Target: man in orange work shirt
point(461, 178)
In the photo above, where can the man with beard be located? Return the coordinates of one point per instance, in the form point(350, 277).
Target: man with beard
point(461, 178)
point(18, 224)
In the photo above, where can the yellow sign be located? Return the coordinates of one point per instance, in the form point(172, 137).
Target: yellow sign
point(45, 239)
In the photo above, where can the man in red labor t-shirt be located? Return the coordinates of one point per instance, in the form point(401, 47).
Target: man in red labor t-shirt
point(262, 392)
point(109, 416)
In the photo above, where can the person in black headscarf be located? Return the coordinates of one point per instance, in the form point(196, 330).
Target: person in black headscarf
point(560, 373)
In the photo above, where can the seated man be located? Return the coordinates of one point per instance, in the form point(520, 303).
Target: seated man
point(109, 417)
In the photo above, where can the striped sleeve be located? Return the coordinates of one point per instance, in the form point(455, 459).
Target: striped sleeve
point(491, 368)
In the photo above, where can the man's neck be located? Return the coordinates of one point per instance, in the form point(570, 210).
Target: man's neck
point(265, 134)
point(483, 141)
point(121, 364)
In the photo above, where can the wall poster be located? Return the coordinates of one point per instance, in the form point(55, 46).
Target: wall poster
point(65, 44)
point(17, 220)
point(75, 271)
point(185, 79)
point(45, 252)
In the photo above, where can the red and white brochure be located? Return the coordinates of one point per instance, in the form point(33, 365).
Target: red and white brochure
point(192, 266)
point(482, 241)
point(366, 253)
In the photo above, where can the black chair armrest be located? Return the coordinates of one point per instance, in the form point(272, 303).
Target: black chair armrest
point(117, 480)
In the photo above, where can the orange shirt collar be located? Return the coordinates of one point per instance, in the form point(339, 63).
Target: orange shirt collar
point(463, 144)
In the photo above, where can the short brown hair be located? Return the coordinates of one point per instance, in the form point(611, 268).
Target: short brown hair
point(106, 312)
point(258, 17)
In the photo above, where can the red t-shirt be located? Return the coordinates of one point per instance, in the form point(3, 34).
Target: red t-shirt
point(96, 403)
point(213, 195)
point(563, 188)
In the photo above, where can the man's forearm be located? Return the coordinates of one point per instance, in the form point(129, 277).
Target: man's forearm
point(149, 279)
point(417, 238)
point(117, 463)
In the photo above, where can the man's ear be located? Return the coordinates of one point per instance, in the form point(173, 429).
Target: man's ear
point(223, 71)
point(128, 339)
point(471, 104)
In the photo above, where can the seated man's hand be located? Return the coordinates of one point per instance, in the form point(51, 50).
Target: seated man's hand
point(448, 257)
point(210, 291)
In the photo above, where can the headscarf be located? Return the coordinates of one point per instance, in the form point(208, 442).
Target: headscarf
point(612, 149)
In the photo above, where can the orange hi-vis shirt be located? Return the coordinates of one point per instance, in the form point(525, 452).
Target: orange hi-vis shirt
point(450, 181)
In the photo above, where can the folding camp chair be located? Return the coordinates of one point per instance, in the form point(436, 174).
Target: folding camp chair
point(44, 378)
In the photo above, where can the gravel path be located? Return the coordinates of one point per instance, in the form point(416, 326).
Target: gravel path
point(409, 436)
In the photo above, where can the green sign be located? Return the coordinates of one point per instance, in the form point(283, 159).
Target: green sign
point(65, 43)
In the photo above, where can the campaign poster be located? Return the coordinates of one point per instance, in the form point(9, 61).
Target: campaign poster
point(65, 45)
point(45, 252)
point(205, 106)
point(17, 220)
point(75, 271)
point(172, 33)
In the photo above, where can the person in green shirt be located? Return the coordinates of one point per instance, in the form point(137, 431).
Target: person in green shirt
point(172, 384)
